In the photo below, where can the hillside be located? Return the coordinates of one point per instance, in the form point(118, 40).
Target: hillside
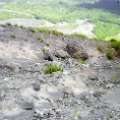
point(104, 14)
point(59, 60)
point(49, 76)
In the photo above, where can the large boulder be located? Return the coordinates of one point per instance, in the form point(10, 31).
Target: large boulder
point(61, 54)
point(76, 51)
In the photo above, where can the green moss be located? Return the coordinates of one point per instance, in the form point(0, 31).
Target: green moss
point(51, 68)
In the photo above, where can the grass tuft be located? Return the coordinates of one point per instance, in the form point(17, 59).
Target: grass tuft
point(40, 39)
point(82, 61)
point(51, 68)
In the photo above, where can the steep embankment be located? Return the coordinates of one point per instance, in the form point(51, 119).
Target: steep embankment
point(87, 88)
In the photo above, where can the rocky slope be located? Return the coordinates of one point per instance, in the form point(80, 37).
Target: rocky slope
point(88, 91)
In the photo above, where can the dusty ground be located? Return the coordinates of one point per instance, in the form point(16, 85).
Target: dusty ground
point(88, 91)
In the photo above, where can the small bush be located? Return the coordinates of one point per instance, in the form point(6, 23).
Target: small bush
point(82, 61)
point(51, 68)
point(32, 30)
point(100, 49)
point(115, 44)
point(8, 24)
point(13, 36)
point(43, 30)
point(56, 33)
point(40, 39)
point(22, 27)
point(111, 53)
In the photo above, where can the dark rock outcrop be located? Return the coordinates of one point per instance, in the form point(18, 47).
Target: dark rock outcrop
point(76, 51)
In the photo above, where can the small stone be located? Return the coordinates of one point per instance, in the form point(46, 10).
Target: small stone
point(28, 106)
point(36, 86)
point(93, 77)
point(61, 54)
point(47, 54)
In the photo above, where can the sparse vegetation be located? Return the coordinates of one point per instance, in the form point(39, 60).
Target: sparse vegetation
point(82, 61)
point(13, 36)
point(54, 32)
point(49, 31)
point(111, 53)
point(51, 68)
point(8, 24)
point(79, 36)
point(40, 39)
point(100, 49)
point(115, 44)
point(45, 49)
point(33, 30)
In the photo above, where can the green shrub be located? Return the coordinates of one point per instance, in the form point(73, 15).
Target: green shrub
point(51, 68)
point(82, 61)
point(100, 49)
point(32, 30)
point(8, 24)
point(56, 33)
point(22, 27)
point(111, 53)
point(115, 44)
point(13, 36)
point(40, 39)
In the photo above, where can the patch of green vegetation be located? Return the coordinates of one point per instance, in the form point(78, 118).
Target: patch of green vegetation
point(13, 36)
point(115, 44)
point(8, 24)
point(49, 31)
point(52, 68)
point(79, 36)
point(57, 33)
point(115, 79)
point(103, 30)
point(40, 39)
point(32, 30)
point(45, 49)
point(82, 61)
point(48, 44)
point(111, 53)
point(100, 49)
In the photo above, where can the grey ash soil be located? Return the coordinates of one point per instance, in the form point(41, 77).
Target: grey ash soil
point(88, 91)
